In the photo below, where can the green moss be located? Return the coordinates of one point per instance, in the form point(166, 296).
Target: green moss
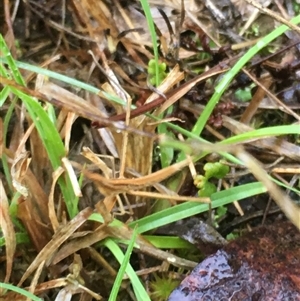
point(162, 287)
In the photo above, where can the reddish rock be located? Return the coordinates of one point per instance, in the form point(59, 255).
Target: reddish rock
point(263, 265)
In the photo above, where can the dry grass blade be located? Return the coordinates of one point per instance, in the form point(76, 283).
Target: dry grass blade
point(290, 209)
point(18, 170)
point(173, 78)
point(273, 15)
point(280, 105)
point(278, 145)
point(21, 163)
point(51, 204)
point(58, 239)
point(1, 137)
point(8, 231)
point(36, 277)
point(155, 177)
point(74, 181)
point(116, 186)
point(131, 148)
point(175, 97)
point(177, 198)
point(69, 100)
point(80, 243)
point(127, 99)
point(87, 153)
point(256, 100)
point(33, 212)
point(122, 233)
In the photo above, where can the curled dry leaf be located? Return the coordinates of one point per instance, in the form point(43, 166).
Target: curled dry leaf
point(33, 212)
point(18, 171)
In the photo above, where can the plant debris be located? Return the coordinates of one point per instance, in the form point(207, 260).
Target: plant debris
point(88, 94)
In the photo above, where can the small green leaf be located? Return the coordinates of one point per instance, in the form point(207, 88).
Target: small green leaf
point(166, 153)
point(217, 170)
point(221, 211)
point(200, 181)
point(151, 67)
point(153, 76)
point(162, 67)
point(232, 236)
point(207, 190)
point(152, 81)
point(243, 95)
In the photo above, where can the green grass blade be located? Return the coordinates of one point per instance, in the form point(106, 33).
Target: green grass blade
point(228, 77)
point(138, 287)
point(20, 291)
point(167, 242)
point(117, 283)
point(3, 95)
point(63, 78)
point(263, 133)
point(146, 8)
point(188, 209)
point(16, 74)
